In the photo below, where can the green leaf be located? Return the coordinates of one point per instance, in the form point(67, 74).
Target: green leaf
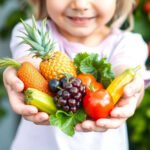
point(37, 36)
point(80, 115)
point(34, 22)
point(105, 73)
point(28, 29)
point(78, 59)
point(45, 39)
point(67, 121)
point(43, 28)
point(88, 64)
point(32, 43)
point(100, 69)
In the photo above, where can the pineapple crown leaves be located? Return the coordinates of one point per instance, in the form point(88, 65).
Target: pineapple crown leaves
point(7, 62)
point(38, 39)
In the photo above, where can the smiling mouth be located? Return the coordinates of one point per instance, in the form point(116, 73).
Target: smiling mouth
point(81, 20)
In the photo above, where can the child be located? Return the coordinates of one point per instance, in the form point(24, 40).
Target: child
point(78, 26)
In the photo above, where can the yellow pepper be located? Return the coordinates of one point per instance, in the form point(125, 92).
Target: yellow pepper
point(116, 87)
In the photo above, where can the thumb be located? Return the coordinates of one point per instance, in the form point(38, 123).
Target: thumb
point(18, 85)
point(11, 80)
point(134, 87)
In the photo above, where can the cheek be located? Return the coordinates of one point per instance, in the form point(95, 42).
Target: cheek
point(107, 10)
point(54, 8)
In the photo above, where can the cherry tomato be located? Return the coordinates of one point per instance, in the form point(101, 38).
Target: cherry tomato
point(98, 104)
point(90, 82)
point(146, 7)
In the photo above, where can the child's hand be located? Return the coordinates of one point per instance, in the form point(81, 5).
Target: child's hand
point(14, 87)
point(124, 109)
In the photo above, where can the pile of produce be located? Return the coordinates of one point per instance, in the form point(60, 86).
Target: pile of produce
point(68, 90)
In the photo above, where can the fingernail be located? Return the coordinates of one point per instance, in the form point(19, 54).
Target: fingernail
point(100, 123)
point(43, 118)
point(128, 90)
point(18, 86)
point(33, 110)
point(88, 127)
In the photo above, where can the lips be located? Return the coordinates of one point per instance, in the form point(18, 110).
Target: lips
point(81, 20)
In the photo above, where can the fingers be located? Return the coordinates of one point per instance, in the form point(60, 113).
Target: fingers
point(29, 112)
point(15, 89)
point(40, 118)
point(122, 111)
point(101, 125)
point(11, 81)
point(24, 109)
point(111, 123)
point(126, 107)
point(88, 126)
point(134, 87)
point(18, 105)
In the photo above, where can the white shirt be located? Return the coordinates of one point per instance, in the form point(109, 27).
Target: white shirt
point(120, 48)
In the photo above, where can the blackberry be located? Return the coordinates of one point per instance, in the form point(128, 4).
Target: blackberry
point(69, 96)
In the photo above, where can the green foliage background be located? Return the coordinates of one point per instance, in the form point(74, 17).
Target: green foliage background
point(12, 18)
point(139, 124)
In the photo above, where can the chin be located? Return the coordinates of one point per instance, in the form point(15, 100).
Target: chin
point(81, 32)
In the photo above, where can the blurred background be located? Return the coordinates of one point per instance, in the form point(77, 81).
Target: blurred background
point(138, 126)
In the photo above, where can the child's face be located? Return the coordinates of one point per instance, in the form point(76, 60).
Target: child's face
point(80, 18)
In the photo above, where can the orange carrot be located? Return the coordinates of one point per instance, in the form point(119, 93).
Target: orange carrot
point(29, 75)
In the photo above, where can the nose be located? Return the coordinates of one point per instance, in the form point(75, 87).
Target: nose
point(80, 5)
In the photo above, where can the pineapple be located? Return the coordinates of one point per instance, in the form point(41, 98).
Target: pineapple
point(54, 64)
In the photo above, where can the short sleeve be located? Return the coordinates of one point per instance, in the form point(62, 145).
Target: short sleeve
point(17, 48)
point(132, 51)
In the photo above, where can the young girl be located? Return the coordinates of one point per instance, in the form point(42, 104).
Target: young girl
point(78, 26)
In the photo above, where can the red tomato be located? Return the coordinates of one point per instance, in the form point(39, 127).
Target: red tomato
point(90, 82)
point(98, 104)
point(146, 7)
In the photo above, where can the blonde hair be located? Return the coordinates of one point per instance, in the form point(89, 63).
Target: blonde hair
point(123, 11)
